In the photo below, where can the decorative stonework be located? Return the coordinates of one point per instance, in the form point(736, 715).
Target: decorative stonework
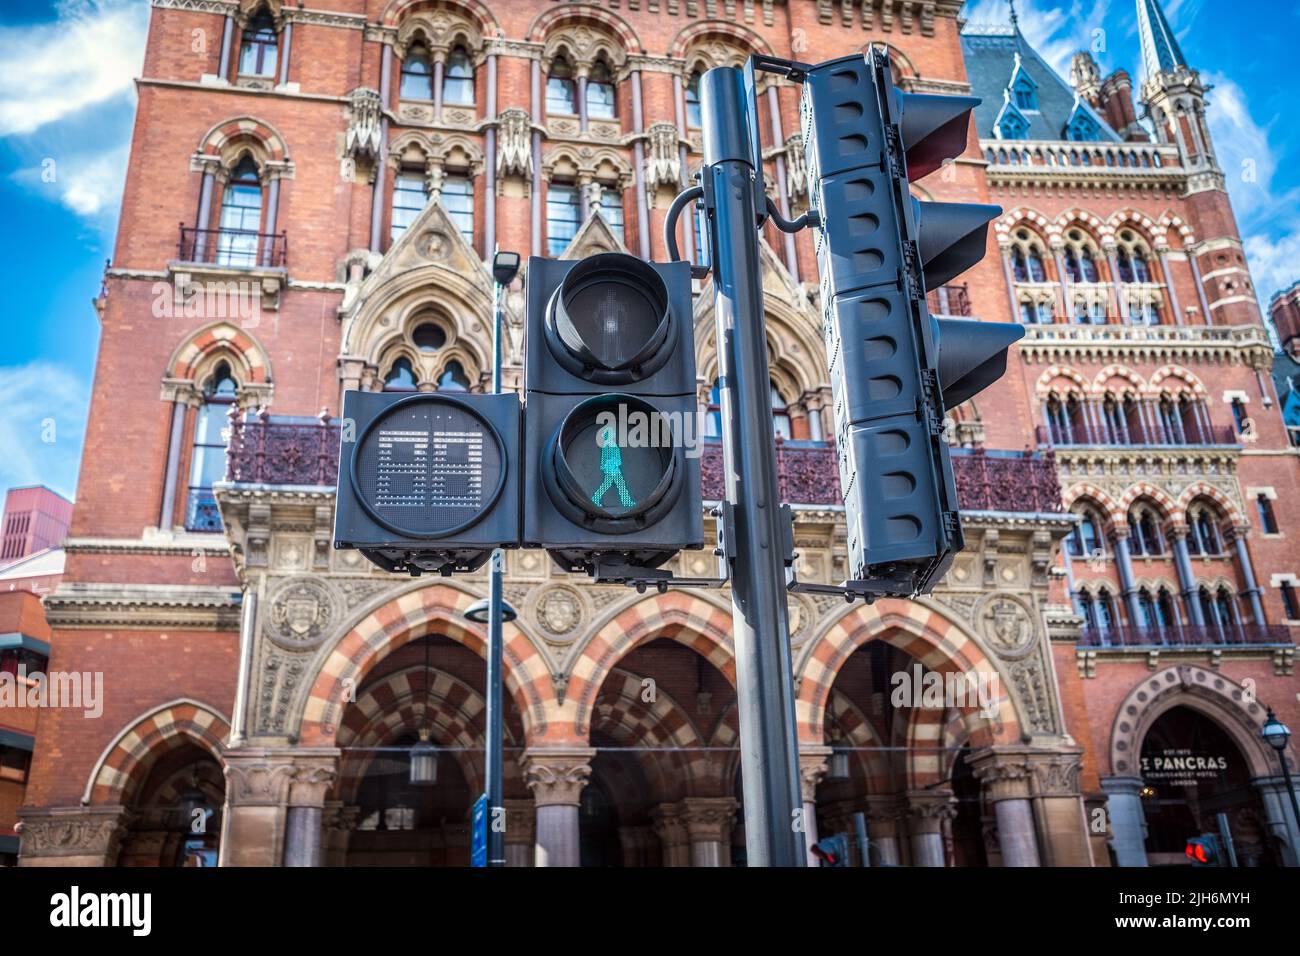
point(663, 165)
point(364, 137)
point(302, 612)
point(1008, 626)
point(559, 611)
point(88, 833)
point(556, 777)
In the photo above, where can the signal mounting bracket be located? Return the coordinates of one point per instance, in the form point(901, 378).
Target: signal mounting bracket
point(611, 569)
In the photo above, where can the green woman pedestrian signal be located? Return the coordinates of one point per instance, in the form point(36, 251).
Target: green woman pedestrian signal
point(611, 466)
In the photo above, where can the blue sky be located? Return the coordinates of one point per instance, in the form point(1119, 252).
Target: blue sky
point(67, 101)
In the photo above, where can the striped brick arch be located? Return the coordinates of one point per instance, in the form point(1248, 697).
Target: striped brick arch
point(680, 767)
point(1046, 383)
point(218, 140)
point(1085, 490)
point(1143, 489)
point(1201, 489)
point(547, 21)
point(868, 753)
point(930, 638)
point(1183, 380)
point(733, 33)
point(197, 354)
point(703, 627)
point(400, 704)
point(399, 10)
point(125, 763)
point(437, 609)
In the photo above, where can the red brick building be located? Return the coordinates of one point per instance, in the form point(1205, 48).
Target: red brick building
point(341, 171)
point(34, 519)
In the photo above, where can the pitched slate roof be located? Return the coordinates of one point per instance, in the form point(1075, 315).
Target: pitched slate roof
point(990, 54)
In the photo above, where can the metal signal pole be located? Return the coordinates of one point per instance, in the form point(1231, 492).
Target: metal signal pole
point(733, 189)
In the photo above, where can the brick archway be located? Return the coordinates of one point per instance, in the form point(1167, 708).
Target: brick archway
point(931, 639)
point(427, 610)
point(125, 762)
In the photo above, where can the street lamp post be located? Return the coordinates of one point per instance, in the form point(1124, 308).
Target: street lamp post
point(505, 266)
point(1276, 735)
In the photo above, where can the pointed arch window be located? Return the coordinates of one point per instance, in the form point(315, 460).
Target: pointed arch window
point(208, 453)
point(780, 413)
point(561, 89)
point(611, 210)
point(417, 75)
point(693, 114)
point(458, 78)
point(1144, 532)
point(241, 215)
point(1146, 609)
point(259, 46)
point(1086, 540)
point(1019, 267)
point(401, 377)
point(453, 378)
point(602, 103)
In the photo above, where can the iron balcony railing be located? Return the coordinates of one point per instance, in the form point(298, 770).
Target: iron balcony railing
point(297, 451)
point(1186, 635)
point(1066, 436)
point(233, 248)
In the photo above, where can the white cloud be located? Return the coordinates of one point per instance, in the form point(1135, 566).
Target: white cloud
point(1056, 32)
point(88, 183)
point(89, 54)
point(42, 423)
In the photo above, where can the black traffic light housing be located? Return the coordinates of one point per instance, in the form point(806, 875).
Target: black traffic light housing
point(428, 481)
point(611, 466)
point(832, 850)
point(1204, 850)
point(894, 369)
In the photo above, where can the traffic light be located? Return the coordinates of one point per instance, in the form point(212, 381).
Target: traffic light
point(1204, 850)
point(428, 481)
point(611, 464)
point(894, 369)
point(832, 850)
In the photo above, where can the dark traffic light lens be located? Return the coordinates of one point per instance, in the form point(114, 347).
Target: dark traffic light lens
point(609, 321)
point(615, 464)
point(428, 467)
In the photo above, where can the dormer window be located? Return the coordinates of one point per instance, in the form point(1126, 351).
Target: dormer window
point(1025, 95)
point(1012, 125)
point(1081, 126)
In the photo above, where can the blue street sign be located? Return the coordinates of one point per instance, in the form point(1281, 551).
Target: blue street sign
point(478, 852)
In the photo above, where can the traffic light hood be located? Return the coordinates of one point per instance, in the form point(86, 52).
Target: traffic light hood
point(972, 356)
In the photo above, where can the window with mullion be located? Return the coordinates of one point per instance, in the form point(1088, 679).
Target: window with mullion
point(561, 90)
point(562, 217)
point(241, 216)
point(611, 210)
point(458, 79)
point(602, 102)
point(258, 48)
point(417, 75)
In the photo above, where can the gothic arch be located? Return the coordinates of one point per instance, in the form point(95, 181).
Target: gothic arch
point(426, 609)
point(732, 34)
point(549, 21)
point(1184, 376)
point(1101, 383)
point(1044, 387)
point(928, 636)
point(702, 626)
point(1097, 496)
point(1206, 691)
point(1147, 228)
point(198, 355)
point(481, 14)
point(441, 27)
point(1202, 489)
point(1165, 506)
point(868, 749)
point(124, 763)
point(230, 139)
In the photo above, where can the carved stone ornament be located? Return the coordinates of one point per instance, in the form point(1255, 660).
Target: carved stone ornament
point(796, 166)
point(1007, 626)
point(365, 113)
point(302, 612)
point(81, 831)
point(514, 147)
point(559, 612)
point(663, 165)
point(557, 778)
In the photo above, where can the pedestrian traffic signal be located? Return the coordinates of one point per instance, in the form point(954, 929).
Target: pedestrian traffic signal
point(894, 369)
point(832, 850)
point(1204, 850)
point(612, 474)
point(428, 481)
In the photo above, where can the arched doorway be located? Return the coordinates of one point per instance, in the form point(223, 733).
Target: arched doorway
point(404, 811)
point(1192, 771)
point(659, 794)
point(176, 810)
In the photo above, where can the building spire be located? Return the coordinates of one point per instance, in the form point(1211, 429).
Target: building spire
point(1160, 51)
point(1015, 23)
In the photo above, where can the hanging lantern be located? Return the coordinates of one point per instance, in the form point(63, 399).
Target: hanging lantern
point(838, 764)
point(424, 761)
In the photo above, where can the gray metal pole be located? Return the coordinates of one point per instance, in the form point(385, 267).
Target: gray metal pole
point(774, 835)
point(864, 844)
point(495, 716)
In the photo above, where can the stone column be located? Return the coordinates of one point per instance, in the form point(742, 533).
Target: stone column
point(638, 161)
point(490, 167)
point(782, 188)
point(285, 45)
point(812, 768)
point(556, 778)
point(71, 836)
point(313, 776)
point(582, 99)
point(381, 159)
point(669, 822)
point(1186, 579)
point(927, 811)
point(1009, 275)
point(227, 37)
point(1128, 828)
point(708, 828)
point(1006, 781)
point(1280, 816)
point(521, 832)
point(1237, 534)
point(1169, 285)
point(1207, 318)
point(1059, 815)
point(439, 67)
point(257, 789)
point(883, 830)
point(535, 188)
point(1124, 564)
